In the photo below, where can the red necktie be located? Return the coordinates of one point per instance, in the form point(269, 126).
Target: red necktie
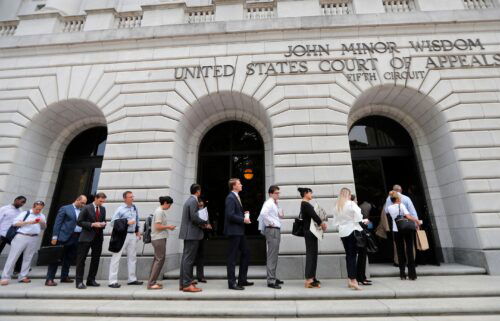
point(97, 214)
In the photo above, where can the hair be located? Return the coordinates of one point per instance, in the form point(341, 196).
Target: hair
point(20, 197)
point(304, 190)
point(195, 188)
point(165, 199)
point(353, 197)
point(38, 203)
point(232, 182)
point(394, 196)
point(273, 188)
point(344, 197)
point(100, 195)
point(126, 193)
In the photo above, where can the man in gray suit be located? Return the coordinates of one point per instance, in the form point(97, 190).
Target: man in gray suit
point(191, 232)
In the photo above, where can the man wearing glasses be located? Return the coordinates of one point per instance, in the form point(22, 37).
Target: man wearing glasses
point(270, 226)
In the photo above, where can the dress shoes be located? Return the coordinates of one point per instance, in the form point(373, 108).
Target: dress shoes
point(274, 286)
point(114, 286)
point(135, 283)
point(81, 286)
point(202, 280)
point(236, 287)
point(92, 283)
point(25, 280)
point(279, 282)
point(191, 288)
point(246, 283)
point(66, 280)
point(50, 283)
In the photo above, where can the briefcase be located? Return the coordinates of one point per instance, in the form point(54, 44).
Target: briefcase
point(50, 254)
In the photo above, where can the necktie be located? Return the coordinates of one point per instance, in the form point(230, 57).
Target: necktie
point(97, 214)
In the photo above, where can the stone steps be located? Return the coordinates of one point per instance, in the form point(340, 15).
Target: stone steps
point(477, 296)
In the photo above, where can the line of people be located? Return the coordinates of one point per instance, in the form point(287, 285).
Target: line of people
point(79, 228)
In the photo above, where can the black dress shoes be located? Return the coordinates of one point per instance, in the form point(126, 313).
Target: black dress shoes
point(246, 283)
point(81, 286)
point(136, 283)
point(278, 282)
point(202, 280)
point(274, 286)
point(66, 280)
point(114, 285)
point(236, 287)
point(92, 283)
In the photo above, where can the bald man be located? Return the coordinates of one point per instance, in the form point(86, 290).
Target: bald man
point(66, 233)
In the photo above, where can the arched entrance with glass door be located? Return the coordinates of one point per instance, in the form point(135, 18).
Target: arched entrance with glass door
point(232, 149)
point(79, 172)
point(383, 154)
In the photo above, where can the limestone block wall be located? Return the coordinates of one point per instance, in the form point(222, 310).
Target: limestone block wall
point(49, 94)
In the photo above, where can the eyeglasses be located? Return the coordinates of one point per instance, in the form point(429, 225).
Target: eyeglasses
point(39, 203)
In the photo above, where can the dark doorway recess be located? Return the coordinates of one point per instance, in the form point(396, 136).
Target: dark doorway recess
point(79, 172)
point(383, 154)
point(232, 149)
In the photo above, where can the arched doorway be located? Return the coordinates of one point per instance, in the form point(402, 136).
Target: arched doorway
point(79, 172)
point(383, 154)
point(232, 149)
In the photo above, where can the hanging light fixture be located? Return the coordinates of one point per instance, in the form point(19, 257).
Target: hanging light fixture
point(248, 173)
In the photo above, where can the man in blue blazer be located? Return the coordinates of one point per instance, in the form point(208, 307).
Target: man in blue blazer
point(66, 233)
point(234, 228)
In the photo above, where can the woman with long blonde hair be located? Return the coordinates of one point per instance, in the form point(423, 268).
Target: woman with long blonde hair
point(347, 216)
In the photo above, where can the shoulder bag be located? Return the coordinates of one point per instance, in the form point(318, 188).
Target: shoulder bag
point(12, 231)
point(404, 224)
point(298, 226)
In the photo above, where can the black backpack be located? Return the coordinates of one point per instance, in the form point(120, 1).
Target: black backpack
point(146, 234)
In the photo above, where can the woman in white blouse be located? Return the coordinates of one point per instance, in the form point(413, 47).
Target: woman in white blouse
point(347, 216)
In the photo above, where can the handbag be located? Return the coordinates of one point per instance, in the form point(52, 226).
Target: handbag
point(50, 255)
point(371, 243)
point(360, 237)
point(422, 242)
point(403, 224)
point(12, 231)
point(298, 226)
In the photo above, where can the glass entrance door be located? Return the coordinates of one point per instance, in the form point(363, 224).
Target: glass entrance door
point(232, 149)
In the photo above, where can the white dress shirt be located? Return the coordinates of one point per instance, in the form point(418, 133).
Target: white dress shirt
point(30, 228)
point(395, 210)
point(348, 219)
point(269, 215)
point(78, 229)
point(7, 215)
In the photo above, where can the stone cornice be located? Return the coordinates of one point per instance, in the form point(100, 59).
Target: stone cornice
point(273, 28)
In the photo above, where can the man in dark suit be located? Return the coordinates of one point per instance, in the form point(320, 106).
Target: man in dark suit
point(234, 228)
point(191, 232)
point(66, 233)
point(92, 219)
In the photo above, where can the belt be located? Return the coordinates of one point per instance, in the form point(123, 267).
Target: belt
point(27, 234)
point(131, 232)
point(273, 227)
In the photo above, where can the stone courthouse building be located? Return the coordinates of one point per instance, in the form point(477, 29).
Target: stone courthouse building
point(154, 95)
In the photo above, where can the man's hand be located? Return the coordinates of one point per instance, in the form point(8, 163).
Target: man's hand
point(323, 227)
point(171, 227)
point(138, 234)
point(247, 221)
point(53, 242)
point(97, 225)
point(208, 226)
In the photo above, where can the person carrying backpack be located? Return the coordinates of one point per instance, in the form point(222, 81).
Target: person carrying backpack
point(158, 230)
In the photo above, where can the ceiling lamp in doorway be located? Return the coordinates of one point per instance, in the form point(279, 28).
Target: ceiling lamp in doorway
point(248, 174)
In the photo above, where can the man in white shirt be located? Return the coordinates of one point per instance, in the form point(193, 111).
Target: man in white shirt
point(270, 226)
point(7, 215)
point(30, 225)
point(126, 211)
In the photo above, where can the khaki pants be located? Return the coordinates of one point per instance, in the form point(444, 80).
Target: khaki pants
point(129, 247)
point(21, 244)
point(159, 247)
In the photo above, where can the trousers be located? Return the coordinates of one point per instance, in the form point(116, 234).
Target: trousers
point(130, 248)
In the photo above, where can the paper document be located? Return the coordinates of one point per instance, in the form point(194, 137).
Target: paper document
point(203, 214)
point(316, 230)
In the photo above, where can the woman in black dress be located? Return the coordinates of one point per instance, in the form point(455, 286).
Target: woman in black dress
point(307, 212)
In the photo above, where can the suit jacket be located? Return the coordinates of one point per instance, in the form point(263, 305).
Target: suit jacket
point(65, 223)
point(118, 236)
point(190, 222)
point(233, 216)
point(85, 220)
